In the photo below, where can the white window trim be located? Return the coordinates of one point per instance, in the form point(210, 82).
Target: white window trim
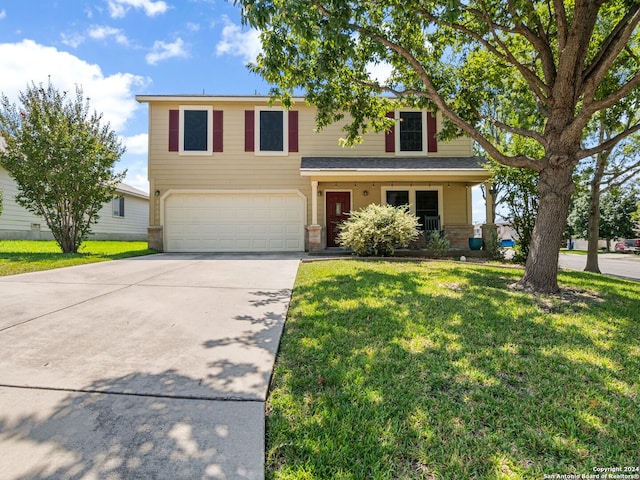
point(424, 150)
point(285, 132)
point(209, 151)
point(412, 196)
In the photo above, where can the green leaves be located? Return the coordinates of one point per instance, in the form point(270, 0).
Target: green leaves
point(377, 230)
point(62, 159)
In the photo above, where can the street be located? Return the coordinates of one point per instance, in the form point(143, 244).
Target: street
point(614, 264)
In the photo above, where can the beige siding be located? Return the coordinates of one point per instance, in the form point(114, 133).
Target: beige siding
point(235, 169)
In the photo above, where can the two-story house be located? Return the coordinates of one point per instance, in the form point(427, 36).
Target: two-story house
point(233, 174)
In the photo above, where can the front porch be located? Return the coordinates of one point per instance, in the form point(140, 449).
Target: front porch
point(436, 189)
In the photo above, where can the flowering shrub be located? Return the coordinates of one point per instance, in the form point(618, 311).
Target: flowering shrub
point(377, 230)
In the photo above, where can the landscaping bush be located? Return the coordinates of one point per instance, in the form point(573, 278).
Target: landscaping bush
point(438, 244)
point(377, 230)
point(493, 247)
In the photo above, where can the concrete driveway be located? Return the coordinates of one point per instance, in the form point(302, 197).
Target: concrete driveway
point(148, 368)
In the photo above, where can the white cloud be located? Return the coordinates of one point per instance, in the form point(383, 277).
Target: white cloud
point(101, 32)
point(3, 14)
point(193, 27)
point(163, 51)
point(24, 62)
point(239, 43)
point(137, 144)
point(119, 8)
point(73, 40)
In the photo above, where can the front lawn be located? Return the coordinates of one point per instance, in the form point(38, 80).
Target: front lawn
point(21, 256)
point(438, 370)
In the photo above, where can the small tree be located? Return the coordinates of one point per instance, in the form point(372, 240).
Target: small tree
point(519, 195)
point(377, 230)
point(616, 209)
point(61, 158)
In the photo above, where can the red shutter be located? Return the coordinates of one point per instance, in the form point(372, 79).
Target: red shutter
point(293, 131)
point(390, 136)
point(432, 142)
point(174, 130)
point(217, 130)
point(249, 128)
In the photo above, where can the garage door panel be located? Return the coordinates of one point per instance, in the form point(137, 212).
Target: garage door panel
point(221, 222)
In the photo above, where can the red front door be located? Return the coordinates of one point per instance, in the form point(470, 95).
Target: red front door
point(338, 206)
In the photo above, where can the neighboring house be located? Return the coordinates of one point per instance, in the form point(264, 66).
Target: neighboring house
point(231, 174)
point(124, 218)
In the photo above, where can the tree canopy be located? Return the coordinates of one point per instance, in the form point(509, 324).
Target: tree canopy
point(554, 64)
point(61, 158)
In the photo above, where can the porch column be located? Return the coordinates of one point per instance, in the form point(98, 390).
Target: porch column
point(314, 202)
point(489, 202)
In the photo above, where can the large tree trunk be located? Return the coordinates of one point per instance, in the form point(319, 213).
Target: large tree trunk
point(555, 186)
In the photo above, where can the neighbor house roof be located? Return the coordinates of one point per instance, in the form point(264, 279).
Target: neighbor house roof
point(124, 188)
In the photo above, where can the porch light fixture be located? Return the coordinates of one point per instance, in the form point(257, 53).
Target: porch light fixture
point(365, 193)
point(157, 193)
point(319, 193)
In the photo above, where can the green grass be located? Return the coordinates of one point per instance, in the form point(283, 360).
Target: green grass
point(393, 370)
point(21, 256)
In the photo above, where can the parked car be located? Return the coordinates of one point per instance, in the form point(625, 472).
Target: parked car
point(632, 245)
point(620, 247)
point(507, 242)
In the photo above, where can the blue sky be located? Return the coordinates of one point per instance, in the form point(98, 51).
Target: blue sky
point(116, 49)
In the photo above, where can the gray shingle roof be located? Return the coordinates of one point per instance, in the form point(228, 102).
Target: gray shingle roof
point(392, 163)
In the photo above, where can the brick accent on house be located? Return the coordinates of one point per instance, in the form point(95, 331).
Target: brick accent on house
point(315, 238)
point(458, 235)
point(155, 237)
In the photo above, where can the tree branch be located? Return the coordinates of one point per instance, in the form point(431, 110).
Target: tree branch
point(609, 144)
point(589, 108)
point(538, 86)
point(520, 161)
point(517, 131)
point(615, 42)
point(561, 19)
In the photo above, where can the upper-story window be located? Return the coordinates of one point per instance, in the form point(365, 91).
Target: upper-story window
point(271, 131)
point(413, 134)
point(195, 130)
point(412, 131)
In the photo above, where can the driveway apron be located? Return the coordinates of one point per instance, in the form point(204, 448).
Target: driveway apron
point(154, 367)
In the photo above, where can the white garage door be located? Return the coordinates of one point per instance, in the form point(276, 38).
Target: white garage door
point(224, 222)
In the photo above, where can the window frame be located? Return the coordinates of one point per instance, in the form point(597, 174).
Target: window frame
point(181, 129)
point(285, 132)
point(121, 208)
point(412, 195)
point(423, 117)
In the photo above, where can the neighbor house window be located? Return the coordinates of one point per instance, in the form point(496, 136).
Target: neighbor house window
point(196, 133)
point(118, 207)
point(271, 129)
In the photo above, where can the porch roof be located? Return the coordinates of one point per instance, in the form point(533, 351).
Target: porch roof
point(460, 167)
